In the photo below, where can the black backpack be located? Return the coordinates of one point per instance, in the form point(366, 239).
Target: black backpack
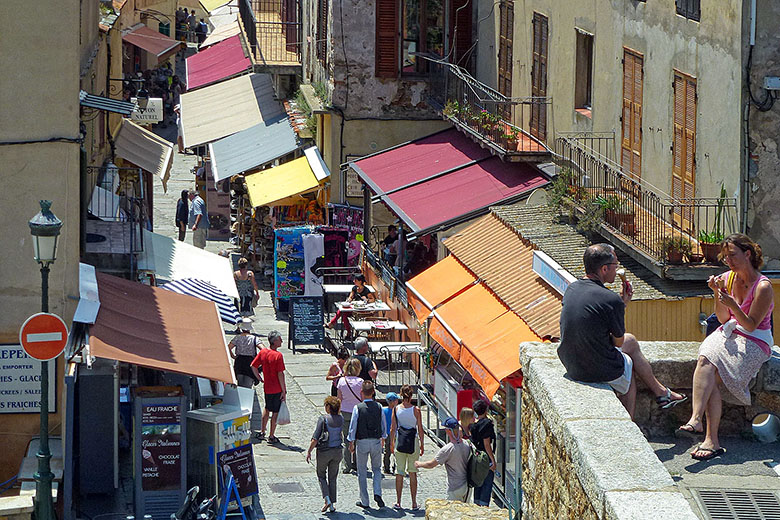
point(477, 467)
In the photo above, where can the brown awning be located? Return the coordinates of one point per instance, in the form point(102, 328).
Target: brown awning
point(160, 329)
point(153, 42)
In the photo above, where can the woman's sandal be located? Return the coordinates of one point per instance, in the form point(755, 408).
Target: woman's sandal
point(665, 402)
point(708, 453)
point(687, 431)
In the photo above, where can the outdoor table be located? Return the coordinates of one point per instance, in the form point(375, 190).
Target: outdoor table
point(374, 326)
point(329, 289)
point(377, 306)
point(399, 367)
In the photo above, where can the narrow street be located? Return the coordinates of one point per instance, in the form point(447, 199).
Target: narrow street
point(288, 484)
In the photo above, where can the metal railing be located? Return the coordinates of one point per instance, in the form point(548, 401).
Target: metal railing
point(250, 24)
point(118, 196)
point(482, 111)
point(637, 212)
point(277, 31)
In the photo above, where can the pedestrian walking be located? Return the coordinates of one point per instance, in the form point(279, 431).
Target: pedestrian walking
point(483, 435)
point(243, 349)
point(387, 415)
point(367, 434)
point(179, 130)
point(336, 370)
point(198, 219)
point(327, 440)
point(201, 31)
point(247, 287)
point(349, 388)
point(454, 455)
point(274, 386)
point(368, 368)
point(182, 214)
point(407, 441)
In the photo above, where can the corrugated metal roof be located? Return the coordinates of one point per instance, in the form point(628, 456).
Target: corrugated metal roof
point(502, 260)
point(103, 103)
point(223, 60)
point(563, 243)
point(220, 110)
point(251, 148)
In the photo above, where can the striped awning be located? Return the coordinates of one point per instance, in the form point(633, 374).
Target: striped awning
point(103, 103)
point(206, 291)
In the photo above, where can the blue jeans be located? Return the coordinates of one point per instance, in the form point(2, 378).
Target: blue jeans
point(483, 493)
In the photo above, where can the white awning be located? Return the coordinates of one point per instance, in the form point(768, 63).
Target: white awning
point(145, 149)
point(173, 260)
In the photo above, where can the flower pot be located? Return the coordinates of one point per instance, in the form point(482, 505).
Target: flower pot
point(710, 252)
point(695, 258)
point(511, 145)
point(623, 222)
point(674, 257)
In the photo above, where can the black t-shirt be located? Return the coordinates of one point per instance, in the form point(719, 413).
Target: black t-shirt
point(366, 364)
point(590, 313)
point(481, 430)
point(364, 292)
point(389, 239)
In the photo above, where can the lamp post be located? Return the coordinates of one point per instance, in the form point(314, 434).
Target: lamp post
point(45, 229)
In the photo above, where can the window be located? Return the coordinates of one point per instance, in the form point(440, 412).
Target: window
point(583, 79)
point(322, 30)
point(690, 9)
point(422, 31)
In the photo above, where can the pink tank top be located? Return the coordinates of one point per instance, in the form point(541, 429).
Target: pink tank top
point(765, 323)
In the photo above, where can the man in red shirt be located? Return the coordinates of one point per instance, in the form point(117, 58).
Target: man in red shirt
point(274, 387)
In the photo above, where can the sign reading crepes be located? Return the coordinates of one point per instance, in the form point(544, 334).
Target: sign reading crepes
point(153, 113)
point(20, 382)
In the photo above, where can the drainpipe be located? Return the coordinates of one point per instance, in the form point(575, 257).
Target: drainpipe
point(744, 196)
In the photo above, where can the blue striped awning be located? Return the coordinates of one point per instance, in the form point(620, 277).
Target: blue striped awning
point(103, 103)
point(206, 291)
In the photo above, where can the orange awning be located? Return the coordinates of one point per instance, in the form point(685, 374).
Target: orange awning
point(482, 335)
point(152, 327)
point(436, 284)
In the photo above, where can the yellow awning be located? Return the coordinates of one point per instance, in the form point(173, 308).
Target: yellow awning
point(283, 181)
point(210, 5)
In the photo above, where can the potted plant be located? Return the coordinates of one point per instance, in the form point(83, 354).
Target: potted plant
point(710, 242)
point(695, 258)
point(674, 248)
point(618, 213)
point(511, 136)
point(451, 109)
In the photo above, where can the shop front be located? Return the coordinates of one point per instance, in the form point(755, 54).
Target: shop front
point(471, 341)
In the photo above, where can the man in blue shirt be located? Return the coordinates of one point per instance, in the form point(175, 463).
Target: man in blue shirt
point(387, 414)
point(367, 433)
point(198, 219)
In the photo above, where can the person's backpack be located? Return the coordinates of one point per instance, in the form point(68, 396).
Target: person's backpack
point(477, 467)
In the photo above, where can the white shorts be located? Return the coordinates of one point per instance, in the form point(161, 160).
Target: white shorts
point(623, 383)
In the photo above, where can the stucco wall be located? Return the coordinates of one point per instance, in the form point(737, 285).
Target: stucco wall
point(763, 219)
point(708, 51)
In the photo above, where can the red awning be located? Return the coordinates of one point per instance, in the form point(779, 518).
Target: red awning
point(152, 42)
point(444, 178)
point(220, 61)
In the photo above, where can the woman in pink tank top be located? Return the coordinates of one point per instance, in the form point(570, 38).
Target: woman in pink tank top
point(732, 355)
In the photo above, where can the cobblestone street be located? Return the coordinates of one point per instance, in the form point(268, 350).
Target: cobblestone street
point(288, 484)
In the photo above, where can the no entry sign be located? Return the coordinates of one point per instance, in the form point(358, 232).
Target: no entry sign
point(43, 336)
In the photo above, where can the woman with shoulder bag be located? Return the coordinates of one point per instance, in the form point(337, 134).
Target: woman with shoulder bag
point(349, 388)
point(327, 440)
point(243, 349)
point(407, 441)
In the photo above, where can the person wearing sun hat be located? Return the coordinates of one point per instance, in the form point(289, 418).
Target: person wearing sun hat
point(454, 455)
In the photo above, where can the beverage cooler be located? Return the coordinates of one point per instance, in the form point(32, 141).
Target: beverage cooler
point(218, 438)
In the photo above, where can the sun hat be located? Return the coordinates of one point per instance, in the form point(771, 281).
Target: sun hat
point(245, 324)
point(392, 396)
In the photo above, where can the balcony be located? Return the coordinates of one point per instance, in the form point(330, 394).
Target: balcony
point(671, 236)
point(116, 216)
point(485, 115)
point(273, 33)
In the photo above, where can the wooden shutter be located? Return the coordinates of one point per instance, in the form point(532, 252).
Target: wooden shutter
point(631, 144)
point(505, 39)
point(461, 19)
point(290, 19)
point(538, 121)
point(387, 45)
point(684, 147)
point(322, 30)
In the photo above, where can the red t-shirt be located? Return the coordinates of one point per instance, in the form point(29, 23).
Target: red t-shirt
point(272, 362)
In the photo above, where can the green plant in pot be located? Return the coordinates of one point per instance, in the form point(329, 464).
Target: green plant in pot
point(674, 248)
point(511, 136)
point(618, 213)
point(709, 242)
point(452, 109)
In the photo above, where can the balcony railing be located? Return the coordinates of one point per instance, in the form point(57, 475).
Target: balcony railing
point(273, 30)
point(635, 212)
point(116, 210)
point(484, 113)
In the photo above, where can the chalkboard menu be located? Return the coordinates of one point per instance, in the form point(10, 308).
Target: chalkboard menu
point(161, 447)
point(306, 321)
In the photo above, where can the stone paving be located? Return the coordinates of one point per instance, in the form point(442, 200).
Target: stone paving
point(299, 496)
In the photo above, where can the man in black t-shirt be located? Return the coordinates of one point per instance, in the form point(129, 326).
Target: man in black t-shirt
point(595, 347)
point(368, 368)
point(483, 436)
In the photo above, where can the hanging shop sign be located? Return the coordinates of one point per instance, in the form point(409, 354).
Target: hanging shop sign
point(20, 382)
point(551, 272)
point(153, 113)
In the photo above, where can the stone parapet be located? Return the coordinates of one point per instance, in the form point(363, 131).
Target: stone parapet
point(438, 509)
point(582, 456)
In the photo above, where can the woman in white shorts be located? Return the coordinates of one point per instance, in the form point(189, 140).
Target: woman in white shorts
point(407, 443)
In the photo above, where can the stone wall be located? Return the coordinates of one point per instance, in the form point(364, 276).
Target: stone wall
point(582, 456)
point(438, 509)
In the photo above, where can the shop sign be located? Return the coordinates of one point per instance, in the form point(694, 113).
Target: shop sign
point(551, 272)
point(241, 464)
point(20, 382)
point(153, 113)
point(161, 447)
point(353, 184)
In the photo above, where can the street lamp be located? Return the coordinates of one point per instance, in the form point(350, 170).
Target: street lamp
point(45, 229)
